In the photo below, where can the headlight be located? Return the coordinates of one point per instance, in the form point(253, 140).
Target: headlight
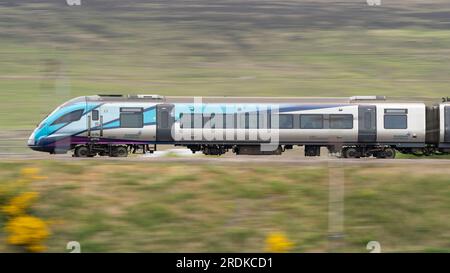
point(31, 141)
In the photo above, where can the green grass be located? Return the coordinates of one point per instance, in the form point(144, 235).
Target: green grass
point(116, 206)
point(410, 156)
point(212, 51)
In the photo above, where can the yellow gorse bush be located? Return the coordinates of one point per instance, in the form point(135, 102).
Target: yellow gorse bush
point(31, 173)
point(27, 231)
point(23, 229)
point(278, 242)
point(19, 204)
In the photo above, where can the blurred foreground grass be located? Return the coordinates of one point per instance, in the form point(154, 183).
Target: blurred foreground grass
point(134, 207)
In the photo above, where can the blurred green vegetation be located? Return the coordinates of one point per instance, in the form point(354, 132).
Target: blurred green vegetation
point(132, 207)
point(51, 52)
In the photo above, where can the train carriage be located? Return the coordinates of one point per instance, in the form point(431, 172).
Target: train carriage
point(114, 125)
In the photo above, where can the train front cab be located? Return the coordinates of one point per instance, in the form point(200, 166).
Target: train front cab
point(54, 133)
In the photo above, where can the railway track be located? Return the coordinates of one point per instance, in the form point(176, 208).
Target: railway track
point(291, 160)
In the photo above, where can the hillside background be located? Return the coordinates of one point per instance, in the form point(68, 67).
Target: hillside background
point(51, 52)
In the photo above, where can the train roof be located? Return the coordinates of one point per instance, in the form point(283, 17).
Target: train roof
point(211, 99)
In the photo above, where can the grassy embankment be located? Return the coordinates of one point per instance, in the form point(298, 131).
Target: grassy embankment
point(125, 206)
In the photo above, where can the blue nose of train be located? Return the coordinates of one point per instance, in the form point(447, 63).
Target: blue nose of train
point(32, 142)
point(34, 145)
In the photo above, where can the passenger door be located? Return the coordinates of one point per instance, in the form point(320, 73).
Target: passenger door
point(165, 119)
point(95, 124)
point(367, 123)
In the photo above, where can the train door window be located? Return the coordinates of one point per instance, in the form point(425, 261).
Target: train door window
point(311, 121)
point(395, 118)
point(70, 117)
point(133, 117)
point(95, 115)
point(367, 121)
point(164, 120)
point(286, 121)
point(341, 121)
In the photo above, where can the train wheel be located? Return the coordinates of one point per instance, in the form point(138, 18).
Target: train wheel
point(352, 153)
point(81, 151)
point(120, 151)
point(389, 153)
point(344, 153)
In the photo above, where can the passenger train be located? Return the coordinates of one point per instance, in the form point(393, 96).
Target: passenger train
point(361, 126)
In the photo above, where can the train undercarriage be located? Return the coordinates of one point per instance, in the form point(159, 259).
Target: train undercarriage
point(350, 151)
point(91, 150)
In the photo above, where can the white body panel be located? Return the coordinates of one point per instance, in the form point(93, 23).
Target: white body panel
point(415, 131)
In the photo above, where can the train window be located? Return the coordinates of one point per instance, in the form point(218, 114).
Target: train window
point(218, 121)
point(286, 121)
point(95, 115)
point(181, 120)
point(70, 117)
point(241, 121)
point(395, 122)
point(247, 121)
point(196, 121)
point(230, 121)
point(341, 121)
point(209, 121)
point(133, 117)
point(252, 120)
point(185, 120)
point(264, 119)
point(311, 121)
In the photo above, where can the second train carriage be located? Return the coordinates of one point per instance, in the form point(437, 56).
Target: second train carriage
point(112, 125)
